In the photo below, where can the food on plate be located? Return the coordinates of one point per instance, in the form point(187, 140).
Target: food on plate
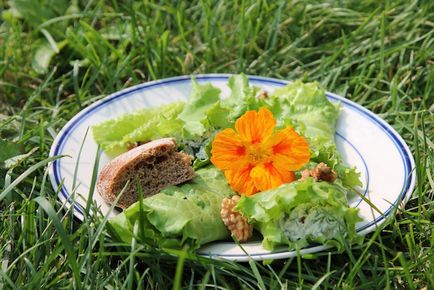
point(302, 212)
point(118, 135)
point(256, 157)
point(236, 223)
point(187, 214)
point(320, 172)
point(149, 167)
point(264, 161)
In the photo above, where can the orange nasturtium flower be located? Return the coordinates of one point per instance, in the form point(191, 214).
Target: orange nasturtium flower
point(254, 157)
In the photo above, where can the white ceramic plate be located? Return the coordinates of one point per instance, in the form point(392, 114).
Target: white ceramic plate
point(363, 139)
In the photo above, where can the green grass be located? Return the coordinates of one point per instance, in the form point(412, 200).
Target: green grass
point(56, 58)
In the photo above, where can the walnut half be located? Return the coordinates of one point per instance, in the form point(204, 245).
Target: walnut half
point(320, 172)
point(234, 221)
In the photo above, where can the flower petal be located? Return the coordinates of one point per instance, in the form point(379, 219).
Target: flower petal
point(290, 150)
point(254, 127)
point(240, 180)
point(266, 176)
point(228, 152)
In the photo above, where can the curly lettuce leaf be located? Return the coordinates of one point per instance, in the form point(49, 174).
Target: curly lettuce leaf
point(242, 97)
point(116, 135)
point(219, 116)
point(328, 154)
point(202, 98)
point(301, 213)
point(188, 214)
point(306, 105)
point(224, 112)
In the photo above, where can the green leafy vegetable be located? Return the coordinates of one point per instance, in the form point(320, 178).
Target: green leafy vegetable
point(242, 98)
point(116, 135)
point(307, 105)
point(328, 154)
point(201, 99)
point(301, 213)
point(179, 215)
point(218, 116)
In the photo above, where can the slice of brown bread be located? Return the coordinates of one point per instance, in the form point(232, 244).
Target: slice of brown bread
point(154, 165)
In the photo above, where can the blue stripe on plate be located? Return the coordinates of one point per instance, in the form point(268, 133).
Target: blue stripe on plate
point(67, 130)
point(364, 164)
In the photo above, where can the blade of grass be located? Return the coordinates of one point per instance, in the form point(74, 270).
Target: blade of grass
point(27, 173)
point(179, 270)
point(71, 255)
point(93, 181)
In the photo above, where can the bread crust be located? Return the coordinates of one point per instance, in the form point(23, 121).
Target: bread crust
point(112, 178)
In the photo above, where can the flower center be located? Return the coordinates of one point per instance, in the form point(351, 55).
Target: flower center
point(257, 154)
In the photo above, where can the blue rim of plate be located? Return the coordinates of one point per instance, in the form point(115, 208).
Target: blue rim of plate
point(404, 151)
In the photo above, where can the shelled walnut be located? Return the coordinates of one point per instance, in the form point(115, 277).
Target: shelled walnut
point(320, 172)
point(234, 221)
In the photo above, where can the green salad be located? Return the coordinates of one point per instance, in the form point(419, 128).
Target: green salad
point(293, 214)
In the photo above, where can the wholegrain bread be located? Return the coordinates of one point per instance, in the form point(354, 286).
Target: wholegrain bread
point(151, 167)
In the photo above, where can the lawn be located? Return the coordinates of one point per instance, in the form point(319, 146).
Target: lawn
point(58, 56)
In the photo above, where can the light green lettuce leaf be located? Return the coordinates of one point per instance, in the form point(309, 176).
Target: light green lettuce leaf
point(219, 116)
point(301, 213)
point(188, 214)
point(328, 154)
point(242, 97)
point(306, 105)
point(163, 123)
point(117, 134)
point(202, 98)
point(349, 176)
